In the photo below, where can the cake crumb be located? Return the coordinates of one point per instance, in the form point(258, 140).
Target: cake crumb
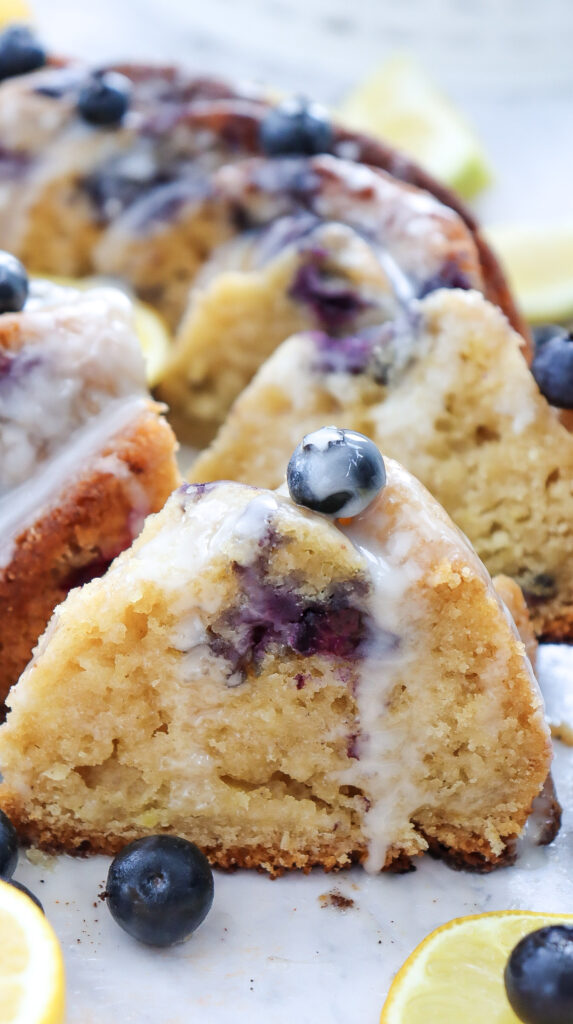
point(335, 898)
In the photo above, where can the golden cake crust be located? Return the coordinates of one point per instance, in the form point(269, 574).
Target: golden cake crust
point(91, 522)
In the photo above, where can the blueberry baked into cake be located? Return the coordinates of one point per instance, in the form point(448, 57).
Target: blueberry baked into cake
point(250, 673)
point(85, 454)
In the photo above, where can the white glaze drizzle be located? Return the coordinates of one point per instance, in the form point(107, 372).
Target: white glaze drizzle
point(24, 505)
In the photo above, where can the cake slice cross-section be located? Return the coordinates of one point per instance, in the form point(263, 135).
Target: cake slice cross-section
point(85, 454)
point(283, 689)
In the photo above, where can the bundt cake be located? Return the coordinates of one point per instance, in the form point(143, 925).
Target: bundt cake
point(84, 452)
point(446, 390)
point(141, 173)
point(253, 675)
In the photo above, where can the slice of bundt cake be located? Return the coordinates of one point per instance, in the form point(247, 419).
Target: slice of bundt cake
point(445, 390)
point(84, 452)
point(284, 689)
point(298, 265)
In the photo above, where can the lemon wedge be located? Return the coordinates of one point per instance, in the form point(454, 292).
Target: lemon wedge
point(14, 11)
point(155, 341)
point(154, 335)
point(402, 105)
point(456, 973)
point(32, 987)
point(538, 262)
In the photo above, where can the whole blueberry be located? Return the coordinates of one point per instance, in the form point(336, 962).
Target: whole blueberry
point(159, 889)
point(104, 100)
point(539, 976)
point(552, 368)
point(546, 332)
point(296, 127)
point(26, 891)
point(13, 284)
point(8, 847)
point(336, 472)
point(20, 51)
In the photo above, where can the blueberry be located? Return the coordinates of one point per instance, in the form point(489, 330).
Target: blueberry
point(296, 127)
point(20, 51)
point(24, 889)
point(552, 368)
point(159, 889)
point(105, 98)
point(8, 847)
point(13, 284)
point(336, 472)
point(546, 332)
point(539, 976)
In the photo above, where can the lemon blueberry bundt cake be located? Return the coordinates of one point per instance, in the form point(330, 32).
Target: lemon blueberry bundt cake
point(110, 170)
point(84, 453)
point(446, 391)
point(283, 687)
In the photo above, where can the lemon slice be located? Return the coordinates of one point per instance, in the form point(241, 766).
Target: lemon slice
point(154, 336)
point(31, 964)
point(538, 261)
point(456, 973)
point(403, 106)
point(14, 11)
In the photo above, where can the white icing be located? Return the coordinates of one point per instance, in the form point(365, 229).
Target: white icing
point(75, 353)
point(24, 505)
point(321, 440)
point(379, 770)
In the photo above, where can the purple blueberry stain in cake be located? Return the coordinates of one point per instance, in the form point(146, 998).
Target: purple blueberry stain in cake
point(113, 189)
point(450, 275)
point(333, 301)
point(300, 680)
point(336, 624)
point(351, 354)
point(14, 164)
point(15, 367)
point(352, 746)
point(190, 494)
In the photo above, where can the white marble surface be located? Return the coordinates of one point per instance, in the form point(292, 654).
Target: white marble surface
point(269, 951)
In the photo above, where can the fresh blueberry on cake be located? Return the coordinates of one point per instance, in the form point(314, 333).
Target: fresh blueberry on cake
point(84, 453)
point(552, 367)
point(104, 99)
point(20, 51)
point(13, 284)
point(445, 389)
point(250, 673)
point(296, 127)
point(336, 472)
